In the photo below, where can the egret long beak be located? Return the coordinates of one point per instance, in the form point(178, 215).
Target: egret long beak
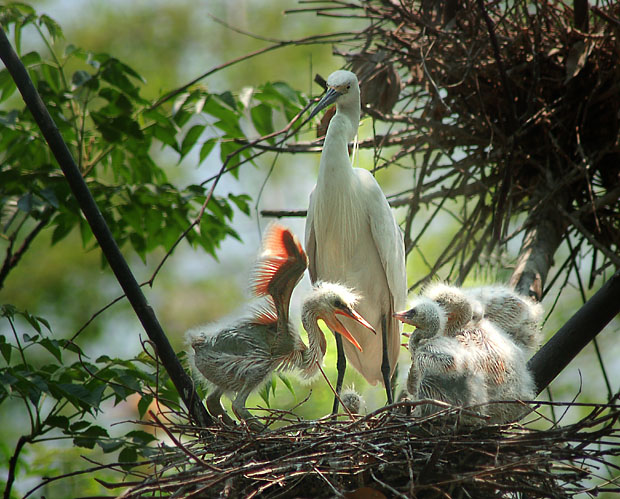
point(404, 317)
point(329, 98)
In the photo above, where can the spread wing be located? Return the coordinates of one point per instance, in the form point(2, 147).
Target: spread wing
point(280, 267)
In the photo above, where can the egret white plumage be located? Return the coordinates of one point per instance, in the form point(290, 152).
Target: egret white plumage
point(353, 238)
point(239, 358)
point(497, 355)
point(442, 368)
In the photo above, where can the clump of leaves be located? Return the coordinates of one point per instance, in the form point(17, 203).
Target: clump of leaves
point(117, 138)
point(62, 392)
point(115, 135)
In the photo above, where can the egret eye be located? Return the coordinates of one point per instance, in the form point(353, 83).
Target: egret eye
point(338, 303)
point(349, 87)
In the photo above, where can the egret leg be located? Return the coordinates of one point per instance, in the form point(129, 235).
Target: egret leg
point(385, 363)
point(238, 407)
point(341, 366)
point(215, 406)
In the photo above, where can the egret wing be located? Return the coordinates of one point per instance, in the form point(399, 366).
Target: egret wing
point(388, 240)
point(390, 246)
point(310, 239)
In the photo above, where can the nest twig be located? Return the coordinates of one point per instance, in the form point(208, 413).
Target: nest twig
point(392, 453)
point(503, 112)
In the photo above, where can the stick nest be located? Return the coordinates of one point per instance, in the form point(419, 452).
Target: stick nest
point(388, 454)
point(509, 109)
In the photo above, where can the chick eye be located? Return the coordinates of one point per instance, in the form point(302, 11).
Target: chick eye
point(338, 303)
point(348, 87)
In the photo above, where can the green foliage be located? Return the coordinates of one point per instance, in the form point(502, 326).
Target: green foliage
point(114, 134)
point(62, 392)
point(117, 137)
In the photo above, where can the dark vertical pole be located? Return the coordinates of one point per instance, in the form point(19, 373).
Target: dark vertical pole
point(126, 279)
point(580, 329)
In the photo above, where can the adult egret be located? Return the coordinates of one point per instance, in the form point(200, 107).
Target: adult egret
point(442, 368)
point(498, 356)
point(353, 238)
point(240, 357)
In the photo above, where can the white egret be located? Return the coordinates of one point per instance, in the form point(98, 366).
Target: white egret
point(353, 238)
point(240, 357)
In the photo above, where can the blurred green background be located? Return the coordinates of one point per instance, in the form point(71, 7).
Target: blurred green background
point(170, 43)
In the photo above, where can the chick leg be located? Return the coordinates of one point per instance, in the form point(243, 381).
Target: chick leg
point(238, 407)
point(215, 406)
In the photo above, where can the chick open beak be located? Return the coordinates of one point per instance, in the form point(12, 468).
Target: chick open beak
point(340, 328)
point(329, 98)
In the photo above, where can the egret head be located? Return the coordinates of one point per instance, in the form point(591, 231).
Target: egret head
point(342, 88)
point(329, 300)
point(427, 316)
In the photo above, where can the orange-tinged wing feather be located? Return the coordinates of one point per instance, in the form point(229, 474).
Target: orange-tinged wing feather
point(281, 264)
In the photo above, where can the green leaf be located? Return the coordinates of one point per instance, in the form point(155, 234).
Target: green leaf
point(86, 232)
point(129, 457)
point(52, 27)
point(80, 77)
point(7, 85)
point(79, 426)
point(108, 446)
point(287, 383)
point(34, 321)
point(55, 421)
point(50, 196)
point(5, 349)
point(64, 224)
point(52, 76)
point(52, 347)
point(31, 59)
point(190, 139)
point(26, 202)
point(143, 404)
point(115, 73)
point(228, 98)
point(7, 310)
point(140, 437)
point(206, 149)
point(165, 135)
point(262, 118)
point(75, 393)
point(72, 347)
point(242, 201)
point(264, 393)
point(90, 437)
